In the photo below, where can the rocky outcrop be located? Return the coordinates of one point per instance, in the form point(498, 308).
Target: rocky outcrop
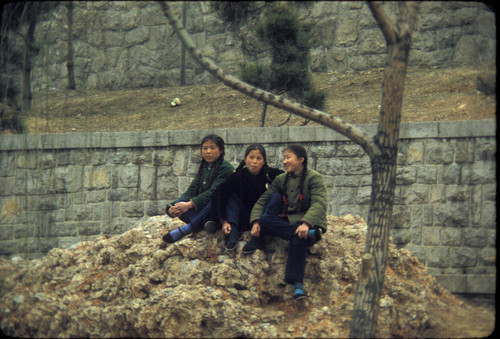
point(132, 285)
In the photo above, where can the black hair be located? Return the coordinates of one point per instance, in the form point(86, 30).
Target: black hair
point(300, 152)
point(262, 150)
point(219, 142)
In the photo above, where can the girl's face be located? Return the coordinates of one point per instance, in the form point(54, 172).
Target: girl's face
point(292, 163)
point(254, 161)
point(210, 151)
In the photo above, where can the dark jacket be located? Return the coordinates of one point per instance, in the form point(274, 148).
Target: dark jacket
point(205, 190)
point(247, 187)
point(313, 206)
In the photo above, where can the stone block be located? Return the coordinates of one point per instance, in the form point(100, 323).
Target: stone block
point(147, 182)
point(427, 175)
point(451, 236)
point(97, 178)
point(163, 157)
point(455, 283)
point(128, 176)
point(489, 214)
point(406, 175)
point(481, 283)
point(451, 215)
point(357, 166)
point(479, 173)
point(462, 257)
point(475, 237)
point(82, 212)
point(439, 153)
point(156, 207)
point(64, 230)
point(8, 247)
point(88, 228)
point(401, 217)
point(330, 166)
point(488, 256)
point(363, 196)
point(132, 209)
point(437, 257)
point(485, 149)
point(68, 179)
point(464, 152)
point(118, 194)
point(418, 130)
point(416, 194)
point(457, 193)
point(431, 236)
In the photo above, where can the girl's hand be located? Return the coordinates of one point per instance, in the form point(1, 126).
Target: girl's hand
point(302, 230)
point(255, 231)
point(174, 211)
point(226, 227)
point(183, 207)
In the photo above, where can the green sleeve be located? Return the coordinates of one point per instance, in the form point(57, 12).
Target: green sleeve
point(189, 193)
point(316, 213)
point(202, 199)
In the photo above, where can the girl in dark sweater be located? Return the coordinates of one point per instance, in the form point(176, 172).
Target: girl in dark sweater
point(193, 206)
point(233, 200)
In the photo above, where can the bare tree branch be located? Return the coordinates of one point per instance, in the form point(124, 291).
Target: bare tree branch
point(344, 128)
point(383, 21)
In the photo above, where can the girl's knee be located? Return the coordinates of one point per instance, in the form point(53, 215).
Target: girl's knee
point(266, 219)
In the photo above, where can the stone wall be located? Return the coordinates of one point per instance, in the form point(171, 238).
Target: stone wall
point(60, 189)
point(129, 44)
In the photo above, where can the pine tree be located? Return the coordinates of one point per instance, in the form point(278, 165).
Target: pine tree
point(289, 69)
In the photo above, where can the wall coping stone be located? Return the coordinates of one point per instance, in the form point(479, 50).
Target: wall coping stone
point(265, 135)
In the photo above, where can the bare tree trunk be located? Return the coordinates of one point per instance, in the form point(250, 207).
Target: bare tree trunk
point(183, 48)
point(27, 59)
point(371, 279)
point(69, 64)
point(263, 114)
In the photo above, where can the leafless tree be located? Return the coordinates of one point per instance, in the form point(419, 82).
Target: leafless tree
point(382, 148)
point(69, 64)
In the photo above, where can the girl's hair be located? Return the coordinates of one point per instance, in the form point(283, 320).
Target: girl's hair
point(300, 152)
point(261, 149)
point(219, 142)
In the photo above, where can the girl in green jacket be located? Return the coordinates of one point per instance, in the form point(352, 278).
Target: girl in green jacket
point(293, 208)
point(191, 207)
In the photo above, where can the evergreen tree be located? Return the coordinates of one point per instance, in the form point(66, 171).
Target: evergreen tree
point(289, 69)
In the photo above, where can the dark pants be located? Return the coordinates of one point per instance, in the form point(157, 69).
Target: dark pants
point(233, 210)
point(197, 219)
point(272, 224)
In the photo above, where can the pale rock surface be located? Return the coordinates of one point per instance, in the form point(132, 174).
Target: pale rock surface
point(133, 285)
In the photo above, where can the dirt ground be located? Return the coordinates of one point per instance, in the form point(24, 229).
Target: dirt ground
point(430, 95)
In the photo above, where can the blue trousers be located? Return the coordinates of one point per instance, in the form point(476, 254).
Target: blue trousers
point(272, 224)
point(197, 219)
point(233, 210)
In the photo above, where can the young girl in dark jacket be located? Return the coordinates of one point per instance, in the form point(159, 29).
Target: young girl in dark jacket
point(191, 207)
point(233, 200)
